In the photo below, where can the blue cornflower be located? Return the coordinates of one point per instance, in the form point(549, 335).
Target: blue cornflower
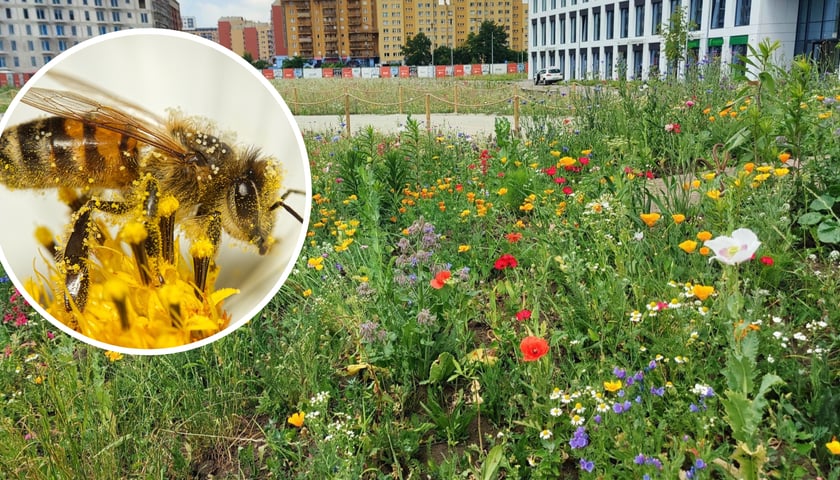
point(4, 279)
point(639, 459)
point(587, 465)
point(657, 391)
point(619, 373)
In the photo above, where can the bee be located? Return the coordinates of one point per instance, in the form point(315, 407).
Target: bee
point(115, 159)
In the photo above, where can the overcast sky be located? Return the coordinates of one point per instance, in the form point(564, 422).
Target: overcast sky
point(208, 12)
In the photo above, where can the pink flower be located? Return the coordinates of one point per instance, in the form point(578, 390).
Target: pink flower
point(767, 260)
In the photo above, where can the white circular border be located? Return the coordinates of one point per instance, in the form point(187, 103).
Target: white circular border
point(143, 75)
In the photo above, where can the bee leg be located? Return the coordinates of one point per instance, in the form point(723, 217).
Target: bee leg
point(204, 251)
point(74, 261)
point(167, 208)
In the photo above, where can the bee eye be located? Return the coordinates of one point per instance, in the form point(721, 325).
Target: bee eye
point(245, 200)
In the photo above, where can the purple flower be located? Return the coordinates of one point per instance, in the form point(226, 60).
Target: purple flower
point(639, 459)
point(619, 373)
point(618, 407)
point(580, 439)
point(587, 465)
point(597, 419)
point(657, 391)
point(655, 462)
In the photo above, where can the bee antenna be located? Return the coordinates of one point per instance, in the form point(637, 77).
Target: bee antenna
point(280, 203)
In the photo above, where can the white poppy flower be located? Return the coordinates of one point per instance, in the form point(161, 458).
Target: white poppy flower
point(737, 248)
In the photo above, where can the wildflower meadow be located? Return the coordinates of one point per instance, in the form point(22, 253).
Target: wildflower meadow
point(642, 284)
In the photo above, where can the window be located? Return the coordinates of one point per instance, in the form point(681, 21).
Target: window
point(573, 29)
point(100, 16)
point(718, 12)
point(584, 28)
point(115, 3)
point(553, 26)
point(596, 27)
point(115, 16)
point(40, 14)
point(13, 45)
point(58, 14)
point(26, 13)
point(695, 12)
point(45, 45)
point(8, 13)
point(640, 20)
point(62, 45)
point(30, 45)
point(59, 30)
point(655, 18)
point(625, 21)
point(610, 24)
point(103, 29)
point(43, 29)
point(562, 31)
point(742, 12)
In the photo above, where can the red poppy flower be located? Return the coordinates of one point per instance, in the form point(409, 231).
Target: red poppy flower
point(440, 279)
point(533, 348)
point(568, 190)
point(505, 261)
point(523, 315)
point(583, 161)
point(513, 237)
point(767, 260)
point(550, 171)
point(559, 180)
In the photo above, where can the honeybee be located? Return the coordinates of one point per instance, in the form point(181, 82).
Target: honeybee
point(114, 159)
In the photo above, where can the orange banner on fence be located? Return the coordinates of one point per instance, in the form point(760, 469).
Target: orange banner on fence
point(459, 70)
point(346, 72)
point(328, 73)
point(440, 70)
point(288, 73)
point(384, 72)
point(475, 69)
point(405, 72)
point(268, 73)
point(512, 68)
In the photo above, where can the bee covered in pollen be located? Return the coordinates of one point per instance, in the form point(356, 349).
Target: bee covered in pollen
point(135, 186)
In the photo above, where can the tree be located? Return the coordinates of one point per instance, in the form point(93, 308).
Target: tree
point(261, 64)
point(293, 62)
point(490, 44)
point(675, 36)
point(417, 50)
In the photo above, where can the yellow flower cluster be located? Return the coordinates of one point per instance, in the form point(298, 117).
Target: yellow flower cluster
point(123, 310)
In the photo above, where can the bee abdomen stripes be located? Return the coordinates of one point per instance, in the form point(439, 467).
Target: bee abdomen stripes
point(58, 152)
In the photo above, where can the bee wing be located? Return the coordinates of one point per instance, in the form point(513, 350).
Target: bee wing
point(81, 108)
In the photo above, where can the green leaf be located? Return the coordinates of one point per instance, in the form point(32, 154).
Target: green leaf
point(491, 463)
point(810, 218)
point(829, 232)
point(740, 416)
point(441, 368)
point(739, 372)
point(823, 202)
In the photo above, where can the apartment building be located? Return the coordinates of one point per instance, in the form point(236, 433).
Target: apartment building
point(33, 32)
point(447, 22)
point(241, 36)
point(608, 38)
point(326, 30)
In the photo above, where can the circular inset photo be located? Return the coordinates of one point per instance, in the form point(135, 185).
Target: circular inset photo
point(155, 191)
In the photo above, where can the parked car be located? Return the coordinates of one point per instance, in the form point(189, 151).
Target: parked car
point(547, 76)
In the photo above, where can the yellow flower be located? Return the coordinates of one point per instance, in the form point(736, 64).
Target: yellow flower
point(317, 263)
point(704, 235)
point(713, 194)
point(688, 246)
point(465, 213)
point(781, 172)
point(678, 218)
point(307, 292)
point(503, 191)
point(650, 219)
point(586, 152)
point(463, 248)
point(702, 291)
point(612, 386)
point(297, 419)
point(709, 176)
point(113, 356)
point(566, 162)
point(833, 446)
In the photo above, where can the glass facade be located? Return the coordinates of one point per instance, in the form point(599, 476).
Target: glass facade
point(816, 32)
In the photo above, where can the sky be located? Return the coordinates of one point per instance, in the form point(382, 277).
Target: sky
point(208, 12)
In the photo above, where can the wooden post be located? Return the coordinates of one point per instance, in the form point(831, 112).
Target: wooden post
point(428, 112)
point(400, 100)
point(516, 114)
point(455, 96)
point(347, 111)
point(296, 111)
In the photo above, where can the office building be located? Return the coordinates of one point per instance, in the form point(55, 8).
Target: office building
point(241, 36)
point(608, 38)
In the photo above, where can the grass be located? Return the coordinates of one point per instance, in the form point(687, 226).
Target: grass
point(518, 309)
